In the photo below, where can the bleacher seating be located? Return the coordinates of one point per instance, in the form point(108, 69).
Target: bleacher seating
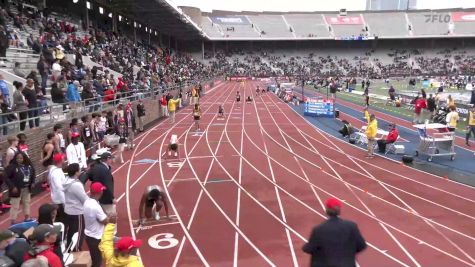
point(273, 25)
point(347, 30)
point(211, 29)
point(429, 23)
point(464, 28)
point(308, 25)
point(312, 25)
point(378, 24)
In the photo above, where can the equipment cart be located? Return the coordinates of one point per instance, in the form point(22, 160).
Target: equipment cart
point(436, 144)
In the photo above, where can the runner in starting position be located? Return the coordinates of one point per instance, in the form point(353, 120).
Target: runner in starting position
point(249, 99)
point(173, 145)
point(151, 203)
point(221, 112)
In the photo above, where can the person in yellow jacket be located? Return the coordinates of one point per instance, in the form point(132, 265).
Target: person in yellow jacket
point(452, 118)
point(470, 126)
point(366, 115)
point(371, 132)
point(122, 254)
point(172, 104)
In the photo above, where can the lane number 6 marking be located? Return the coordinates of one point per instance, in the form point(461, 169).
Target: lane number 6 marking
point(162, 241)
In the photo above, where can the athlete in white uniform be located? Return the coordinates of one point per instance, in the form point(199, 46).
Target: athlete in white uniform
point(173, 145)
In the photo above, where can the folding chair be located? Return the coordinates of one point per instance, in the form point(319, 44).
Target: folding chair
point(63, 241)
point(391, 148)
point(68, 257)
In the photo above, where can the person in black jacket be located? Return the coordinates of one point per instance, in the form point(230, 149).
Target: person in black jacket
point(431, 105)
point(101, 172)
point(43, 69)
point(30, 95)
point(335, 242)
point(20, 176)
point(140, 114)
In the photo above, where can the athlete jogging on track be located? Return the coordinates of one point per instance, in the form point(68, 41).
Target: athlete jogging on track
point(238, 98)
point(197, 116)
point(257, 91)
point(151, 203)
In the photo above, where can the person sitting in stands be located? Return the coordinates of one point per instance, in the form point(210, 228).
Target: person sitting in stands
point(391, 138)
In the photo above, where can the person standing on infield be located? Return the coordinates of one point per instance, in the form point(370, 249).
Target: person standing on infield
point(335, 242)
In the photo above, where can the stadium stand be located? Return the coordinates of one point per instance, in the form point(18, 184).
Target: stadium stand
point(308, 25)
point(378, 23)
point(463, 23)
point(429, 23)
point(271, 26)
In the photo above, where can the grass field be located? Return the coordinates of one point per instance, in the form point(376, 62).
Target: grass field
point(381, 88)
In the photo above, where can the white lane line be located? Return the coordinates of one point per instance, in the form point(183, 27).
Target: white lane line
point(379, 181)
point(292, 196)
point(238, 201)
point(402, 201)
point(361, 211)
point(187, 235)
point(279, 201)
point(195, 208)
point(244, 236)
point(129, 187)
point(349, 188)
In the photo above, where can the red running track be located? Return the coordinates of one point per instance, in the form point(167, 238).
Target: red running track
point(248, 190)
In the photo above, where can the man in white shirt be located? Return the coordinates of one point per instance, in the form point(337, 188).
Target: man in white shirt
point(56, 178)
point(76, 152)
point(95, 220)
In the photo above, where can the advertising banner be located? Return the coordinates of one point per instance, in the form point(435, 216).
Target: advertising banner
point(463, 16)
point(319, 107)
point(239, 78)
point(231, 20)
point(348, 20)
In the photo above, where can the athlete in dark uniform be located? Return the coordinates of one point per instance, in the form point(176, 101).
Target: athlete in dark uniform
point(152, 202)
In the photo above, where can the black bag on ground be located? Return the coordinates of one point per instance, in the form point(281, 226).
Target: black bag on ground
point(407, 159)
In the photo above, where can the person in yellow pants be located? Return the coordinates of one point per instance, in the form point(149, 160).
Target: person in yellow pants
point(371, 132)
point(470, 126)
point(172, 104)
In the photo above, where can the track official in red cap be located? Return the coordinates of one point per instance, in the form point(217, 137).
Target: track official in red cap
point(335, 242)
point(121, 254)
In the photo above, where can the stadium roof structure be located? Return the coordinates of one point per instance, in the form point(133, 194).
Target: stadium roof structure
point(157, 14)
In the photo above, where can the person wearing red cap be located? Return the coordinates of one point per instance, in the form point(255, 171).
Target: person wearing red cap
point(122, 254)
point(56, 179)
point(95, 220)
point(335, 242)
point(75, 152)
